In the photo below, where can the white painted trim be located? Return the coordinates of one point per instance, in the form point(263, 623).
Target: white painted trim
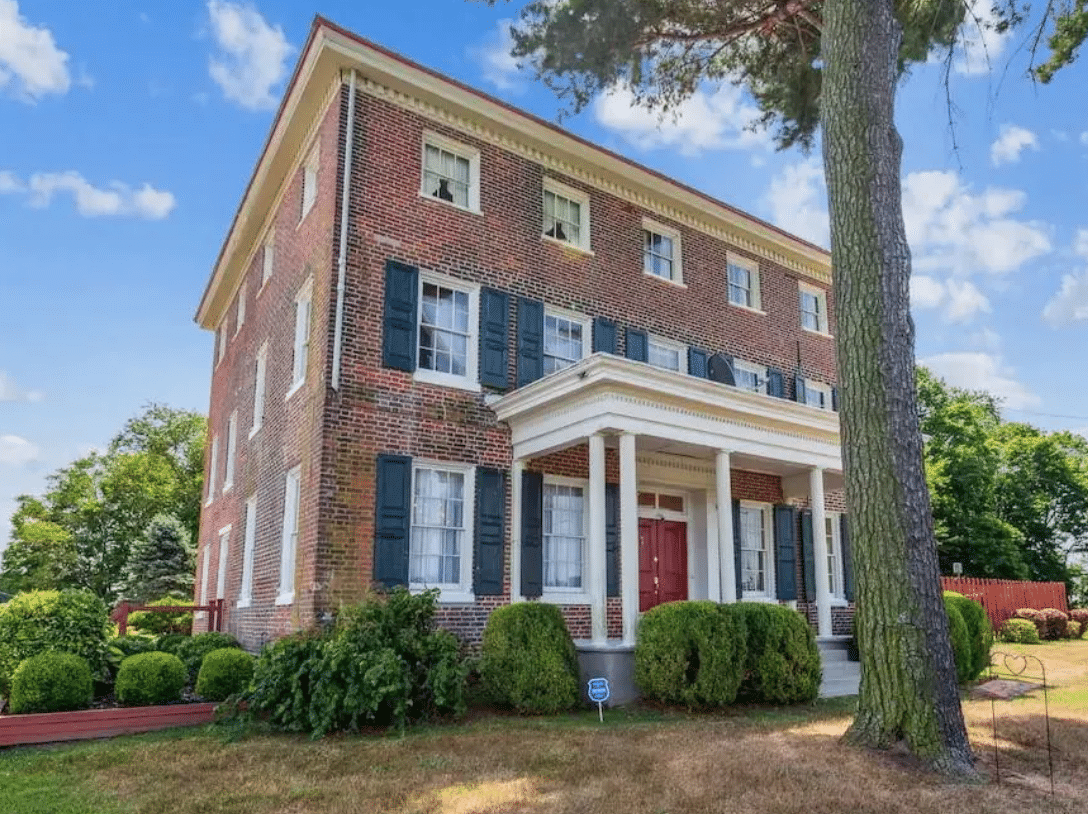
point(723, 498)
point(824, 328)
point(819, 552)
point(469, 154)
point(292, 525)
point(770, 592)
point(249, 544)
point(755, 288)
point(574, 195)
point(629, 536)
point(517, 467)
point(571, 596)
point(570, 316)
point(471, 380)
point(342, 239)
point(461, 591)
point(656, 227)
point(671, 344)
point(596, 541)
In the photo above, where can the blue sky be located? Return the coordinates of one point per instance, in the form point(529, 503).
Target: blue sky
point(129, 130)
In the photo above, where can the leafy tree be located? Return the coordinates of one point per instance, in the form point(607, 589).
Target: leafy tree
point(835, 63)
point(161, 562)
point(41, 554)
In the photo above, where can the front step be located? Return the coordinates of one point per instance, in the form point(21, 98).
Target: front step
point(841, 676)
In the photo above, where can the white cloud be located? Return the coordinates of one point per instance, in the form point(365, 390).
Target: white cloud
point(1012, 141)
point(961, 298)
point(252, 54)
point(982, 371)
point(16, 451)
point(1084, 138)
point(1070, 304)
point(1080, 243)
point(987, 339)
point(31, 65)
point(493, 58)
point(115, 199)
point(980, 45)
point(10, 391)
point(926, 292)
point(705, 121)
point(797, 201)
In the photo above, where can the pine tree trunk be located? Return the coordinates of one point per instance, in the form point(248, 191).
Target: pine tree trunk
point(908, 683)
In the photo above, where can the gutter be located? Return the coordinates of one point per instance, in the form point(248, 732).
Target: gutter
point(342, 257)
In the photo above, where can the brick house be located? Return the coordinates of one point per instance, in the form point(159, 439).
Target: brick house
point(458, 346)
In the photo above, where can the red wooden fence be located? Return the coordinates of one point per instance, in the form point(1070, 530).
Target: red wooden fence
point(1001, 597)
point(214, 609)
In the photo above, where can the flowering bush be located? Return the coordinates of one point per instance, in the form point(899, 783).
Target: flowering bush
point(1051, 623)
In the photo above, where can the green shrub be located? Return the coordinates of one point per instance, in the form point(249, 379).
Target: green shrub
point(171, 642)
point(150, 678)
point(1022, 631)
point(690, 653)
point(121, 647)
point(527, 660)
point(283, 677)
point(159, 623)
point(783, 664)
point(224, 673)
point(51, 682)
point(980, 634)
point(1072, 630)
point(70, 621)
point(961, 642)
point(194, 648)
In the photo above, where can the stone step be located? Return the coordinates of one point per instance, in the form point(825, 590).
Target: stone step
point(828, 656)
point(835, 688)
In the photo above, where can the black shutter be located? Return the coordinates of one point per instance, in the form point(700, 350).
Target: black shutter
point(638, 345)
point(697, 362)
point(604, 335)
point(737, 567)
point(392, 519)
point(399, 325)
point(835, 399)
point(847, 559)
point(809, 555)
point(799, 388)
point(612, 537)
point(785, 539)
point(530, 341)
point(775, 385)
point(532, 534)
point(490, 532)
point(494, 349)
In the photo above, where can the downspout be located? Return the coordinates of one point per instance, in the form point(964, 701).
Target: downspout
point(342, 258)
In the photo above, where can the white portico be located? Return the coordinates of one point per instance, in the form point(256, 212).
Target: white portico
point(679, 440)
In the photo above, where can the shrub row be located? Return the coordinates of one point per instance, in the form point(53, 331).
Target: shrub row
point(1053, 624)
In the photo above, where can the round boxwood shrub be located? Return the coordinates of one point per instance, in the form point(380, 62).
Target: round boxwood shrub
point(961, 643)
point(225, 672)
point(150, 678)
point(980, 634)
point(1021, 631)
point(69, 621)
point(528, 661)
point(159, 623)
point(51, 682)
point(690, 653)
point(193, 649)
point(783, 663)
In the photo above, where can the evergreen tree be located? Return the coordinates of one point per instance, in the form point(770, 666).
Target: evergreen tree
point(160, 563)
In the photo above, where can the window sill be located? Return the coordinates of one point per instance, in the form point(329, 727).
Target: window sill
point(294, 389)
point(748, 308)
point(302, 217)
point(565, 597)
point(824, 334)
point(678, 283)
point(770, 600)
point(243, 603)
point(453, 595)
point(286, 598)
point(838, 602)
point(467, 209)
point(227, 487)
point(446, 380)
point(567, 245)
point(254, 431)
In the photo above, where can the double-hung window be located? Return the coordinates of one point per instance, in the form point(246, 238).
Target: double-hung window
point(664, 353)
point(292, 494)
point(448, 319)
point(564, 536)
point(268, 257)
point(224, 554)
point(661, 252)
point(309, 183)
point(749, 376)
point(757, 566)
point(232, 449)
point(743, 283)
point(817, 395)
point(813, 309)
point(566, 214)
point(451, 172)
point(259, 378)
point(212, 469)
point(245, 590)
point(303, 307)
point(241, 315)
point(834, 555)
point(440, 547)
point(565, 337)
point(221, 342)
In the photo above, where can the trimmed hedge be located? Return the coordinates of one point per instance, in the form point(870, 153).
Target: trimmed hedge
point(1072, 630)
point(528, 661)
point(192, 649)
point(224, 673)
point(150, 678)
point(980, 634)
point(69, 621)
point(160, 623)
point(1051, 623)
point(961, 641)
point(1021, 631)
point(691, 653)
point(51, 682)
point(783, 663)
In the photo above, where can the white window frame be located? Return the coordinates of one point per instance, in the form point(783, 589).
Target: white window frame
point(754, 293)
point(563, 595)
point(310, 172)
point(460, 592)
point(574, 196)
point(667, 344)
point(469, 154)
point(821, 304)
point(769, 594)
point(232, 451)
point(677, 258)
point(304, 316)
point(221, 343)
point(471, 379)
point(241, 314)
point(245, 590)
point(212, 470)
point(204, 566)
point(833, 534)
point(574, 318)
point(817, 387)
point(221, 570)
point(268, 258)
point(260, 383)
point(760, 372)
point(292, 499)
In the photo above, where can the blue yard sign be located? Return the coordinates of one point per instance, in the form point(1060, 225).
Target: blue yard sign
point(598, 691)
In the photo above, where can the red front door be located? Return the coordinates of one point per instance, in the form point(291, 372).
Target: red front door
point(662, 562)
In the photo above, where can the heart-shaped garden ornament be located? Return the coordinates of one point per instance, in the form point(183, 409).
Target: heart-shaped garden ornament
point(1013, 663)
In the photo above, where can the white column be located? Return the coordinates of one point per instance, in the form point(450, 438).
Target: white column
point(628, 537)
point(517, 467)
point(726, 564)
point(598, 565)
point(819, 551)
